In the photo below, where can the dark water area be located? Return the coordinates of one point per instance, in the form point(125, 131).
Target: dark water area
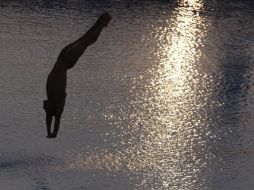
point(163, 100)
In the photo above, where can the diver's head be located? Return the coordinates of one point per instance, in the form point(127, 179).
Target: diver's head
point(49, 107)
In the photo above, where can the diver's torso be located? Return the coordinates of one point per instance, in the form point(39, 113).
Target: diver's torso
point(56, 82)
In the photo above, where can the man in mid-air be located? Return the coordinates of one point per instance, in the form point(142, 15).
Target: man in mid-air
point(57, 78)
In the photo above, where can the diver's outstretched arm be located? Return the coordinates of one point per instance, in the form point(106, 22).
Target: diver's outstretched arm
point(73, 51)
point(48, 122)
point(56, 126)
point(57, 121)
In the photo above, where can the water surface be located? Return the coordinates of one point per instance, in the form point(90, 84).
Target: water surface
point(163, 99)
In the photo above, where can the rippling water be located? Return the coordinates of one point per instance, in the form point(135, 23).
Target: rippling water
point(163, 99)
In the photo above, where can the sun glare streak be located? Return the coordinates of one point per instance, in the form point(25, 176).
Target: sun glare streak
point(181, 49)
point(180, 91)
point(166, 119)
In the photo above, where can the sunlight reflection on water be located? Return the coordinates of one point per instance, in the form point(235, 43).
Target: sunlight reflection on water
point(169, 120)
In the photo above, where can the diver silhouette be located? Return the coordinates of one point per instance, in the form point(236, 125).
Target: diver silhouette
point(57, 78)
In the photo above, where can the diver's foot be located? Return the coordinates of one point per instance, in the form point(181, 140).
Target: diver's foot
point(104, 19)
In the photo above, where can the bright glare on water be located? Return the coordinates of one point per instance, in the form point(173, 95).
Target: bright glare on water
point(163, 100)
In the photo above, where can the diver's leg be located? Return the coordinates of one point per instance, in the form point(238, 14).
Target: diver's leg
point(73, 51)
